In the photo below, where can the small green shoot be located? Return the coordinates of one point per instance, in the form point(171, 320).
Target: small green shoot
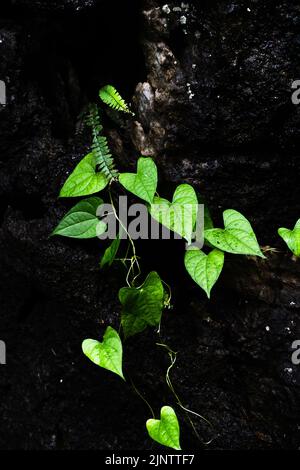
point(110, 253)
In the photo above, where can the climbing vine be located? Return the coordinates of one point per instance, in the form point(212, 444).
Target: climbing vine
point(143, 301)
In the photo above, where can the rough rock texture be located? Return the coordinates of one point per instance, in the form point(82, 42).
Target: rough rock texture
point(211, 87)
point(54, 5)
point(217, 102)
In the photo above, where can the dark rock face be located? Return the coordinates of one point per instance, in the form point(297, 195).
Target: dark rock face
point(45, 5)
point(45, 64)
point(218, 103)
point(211, 87)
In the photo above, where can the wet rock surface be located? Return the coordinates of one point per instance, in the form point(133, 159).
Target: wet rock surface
point(211, 87)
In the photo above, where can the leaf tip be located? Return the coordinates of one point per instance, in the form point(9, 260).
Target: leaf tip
point(260, 254)
point(62, 193)
point(281, 230)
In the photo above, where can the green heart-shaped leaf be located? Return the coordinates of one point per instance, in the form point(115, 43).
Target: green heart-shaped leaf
point(142, 306)
point(292, 238)
point(143, 183)
point(84, 180)
point(180, 215)
point(237, 237)
point(110, 253)
point(81, 221)
point(165, 430)
point(107, 354)
point(204, 269)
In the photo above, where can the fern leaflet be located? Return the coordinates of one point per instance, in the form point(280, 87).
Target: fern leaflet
point(103, 157)
point(93, 119)
point(112, 98)
point(100, 149)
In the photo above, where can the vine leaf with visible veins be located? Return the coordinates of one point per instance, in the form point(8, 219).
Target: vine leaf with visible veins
point(82, 221)
point(143, 183)
point(84, 180)
point(165, 430)
point(107, 354)
point(237, 237)
point(204, 269)
point(292, 238)
point(180, 215)
point(142, 306)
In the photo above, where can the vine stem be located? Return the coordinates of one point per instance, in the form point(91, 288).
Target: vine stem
point(172, 354)
point(173, 357)
point(167, 303)
point(134, 260)
point(143, 398)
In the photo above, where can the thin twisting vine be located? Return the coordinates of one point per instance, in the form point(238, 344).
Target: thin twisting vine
point(173, 358)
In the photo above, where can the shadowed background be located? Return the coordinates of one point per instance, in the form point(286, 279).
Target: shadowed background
point(210, 83)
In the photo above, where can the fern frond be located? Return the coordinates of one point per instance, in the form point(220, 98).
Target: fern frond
point(92, 119)
point(112, 98)
point(103, 157)
point(100, 149)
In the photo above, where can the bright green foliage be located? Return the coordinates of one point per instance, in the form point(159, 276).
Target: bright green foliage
point(204, 269)
point(165, 430)
point(180, 215)
point(81, 221)
point(142, 306)
point(107, 354)
point(237, 237)
point(84, 180)
point(103, 158)
point(110, 253)
point(112, 98)
point(292, 238)
point(143, 183)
